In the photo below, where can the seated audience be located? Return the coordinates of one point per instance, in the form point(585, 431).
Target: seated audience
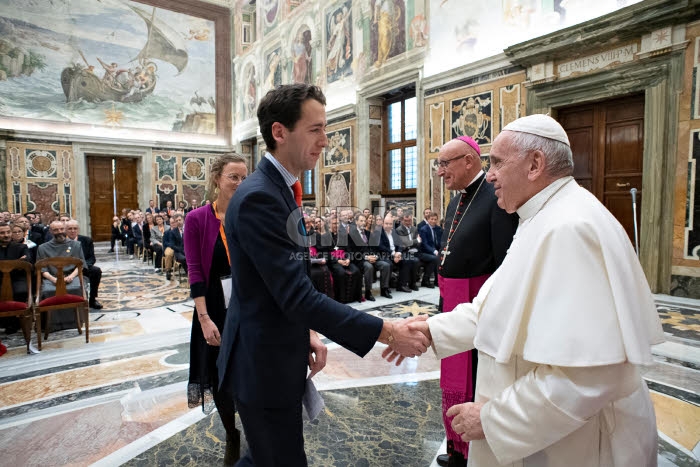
point(137, 233)
point(19, 235)
point(152, 208)
point(365, 259)
point(157, 233)
point(387, 251)
point(60, 246)
point(168, 209)
point(407, 241)
point(429, 249)
point(10, 250)
point(148, 225)
point(347, 277)
point(116, 233)
point(125, 229)
point(174, 246)
point(92, 272)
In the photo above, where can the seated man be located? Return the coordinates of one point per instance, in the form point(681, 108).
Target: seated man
point(366, 259)
point(92, 272)
point(347, 277)
point(10, 250)
point(429, 246)
point(60, 246)
point(407, 241)
point(137, 233)
point(385, 250)
point(174, 246)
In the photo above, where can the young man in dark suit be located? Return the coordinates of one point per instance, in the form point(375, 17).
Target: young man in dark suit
point(269, 339)
point(429, 249)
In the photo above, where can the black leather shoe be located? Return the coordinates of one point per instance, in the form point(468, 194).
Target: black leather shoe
point(443, 460)
point(368, 296)
point(386, 293)
point(96, 305)
point(428, 285)
point(457, 460)
point(168, 275)
point(414, 287)
point(403, 288)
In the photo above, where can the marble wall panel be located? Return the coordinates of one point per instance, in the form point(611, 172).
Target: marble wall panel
point(182, 176)
point(436, 199)
point(436, 128)
point(39, 177)
point(509, 104)
point(43, 197)
point(194, 194)
point(375, 159)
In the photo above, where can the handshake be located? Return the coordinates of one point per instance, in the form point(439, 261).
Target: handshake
point(407, 338)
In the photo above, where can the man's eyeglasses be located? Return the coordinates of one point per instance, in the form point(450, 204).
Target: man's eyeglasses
point(445, 163)
point(234, 178)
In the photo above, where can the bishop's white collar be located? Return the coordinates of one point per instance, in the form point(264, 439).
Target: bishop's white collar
point(534, 204)
point(478, 175)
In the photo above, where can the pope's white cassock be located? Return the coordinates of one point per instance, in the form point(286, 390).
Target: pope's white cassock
point(561, 328)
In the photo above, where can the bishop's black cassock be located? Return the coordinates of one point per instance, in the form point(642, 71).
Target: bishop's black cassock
point(481, 240)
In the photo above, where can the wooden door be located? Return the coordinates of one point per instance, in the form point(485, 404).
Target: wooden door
point(607, 141)
point(101, 197)
point(125, 184)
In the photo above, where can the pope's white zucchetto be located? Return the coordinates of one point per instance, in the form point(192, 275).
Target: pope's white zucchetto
point(540, 125)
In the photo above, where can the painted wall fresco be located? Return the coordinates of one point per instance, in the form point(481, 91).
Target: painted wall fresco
point(339, 149)
point(39, 178)
point(339, 57)
point(466, 33)
point(471, 116)
point(273, 69)
point(302, 56)
point(270, 13)
point(388, 30)
point(113, 63)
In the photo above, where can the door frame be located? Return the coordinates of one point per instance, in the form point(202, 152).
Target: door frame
point(144, 164)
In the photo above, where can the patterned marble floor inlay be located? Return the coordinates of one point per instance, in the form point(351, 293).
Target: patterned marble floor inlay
point(387, 425)
point(122, 397)
point(680, 322)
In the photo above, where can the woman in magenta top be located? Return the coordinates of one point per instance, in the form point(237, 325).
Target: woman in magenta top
point(208, 262)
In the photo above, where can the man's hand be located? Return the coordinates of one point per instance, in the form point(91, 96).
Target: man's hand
point(467, 420)
point(405, 340)
point(371, 258)
point(416, 323)
point(319, 351)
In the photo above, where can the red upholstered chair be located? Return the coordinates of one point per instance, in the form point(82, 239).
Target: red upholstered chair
point(8, 306)
point(62, 299)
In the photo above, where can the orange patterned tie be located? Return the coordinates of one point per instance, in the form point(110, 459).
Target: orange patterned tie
point(296, 188)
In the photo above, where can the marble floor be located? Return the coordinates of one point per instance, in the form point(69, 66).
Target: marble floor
point(121, 399)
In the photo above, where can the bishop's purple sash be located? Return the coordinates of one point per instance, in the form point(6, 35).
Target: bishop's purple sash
point(456, 379)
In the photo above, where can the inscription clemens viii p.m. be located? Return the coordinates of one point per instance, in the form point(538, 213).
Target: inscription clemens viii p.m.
point(597, 61)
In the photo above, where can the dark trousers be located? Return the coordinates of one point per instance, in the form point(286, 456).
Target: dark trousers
point(430, 265)
point(95, 275)
point(384, 269)
point(158, 250)
point(275, 436)
point(227, 410)
point(408, 270)
point(113, 240)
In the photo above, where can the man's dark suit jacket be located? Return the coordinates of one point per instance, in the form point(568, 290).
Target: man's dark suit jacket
point(426, 235)
point(173, 239)
point(264, 352)
point(88, 247)
point(401, 240)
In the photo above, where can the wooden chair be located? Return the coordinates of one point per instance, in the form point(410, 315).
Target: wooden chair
point(62, 299)
point(8, 306)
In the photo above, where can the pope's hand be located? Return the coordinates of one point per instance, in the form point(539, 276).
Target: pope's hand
point(467, 420)
point(319, 351)
point(415, 328)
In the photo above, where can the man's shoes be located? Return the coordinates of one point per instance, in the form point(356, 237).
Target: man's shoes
point(157, 270)
point(111, 251)
point(457, 460)
point(368, 296)
point(96, 305)
point(403, 288)
point(386, 293)
point(168, 275)
point(131, 256)
point(427, 284)
point(414, 287)
point(443, 460)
